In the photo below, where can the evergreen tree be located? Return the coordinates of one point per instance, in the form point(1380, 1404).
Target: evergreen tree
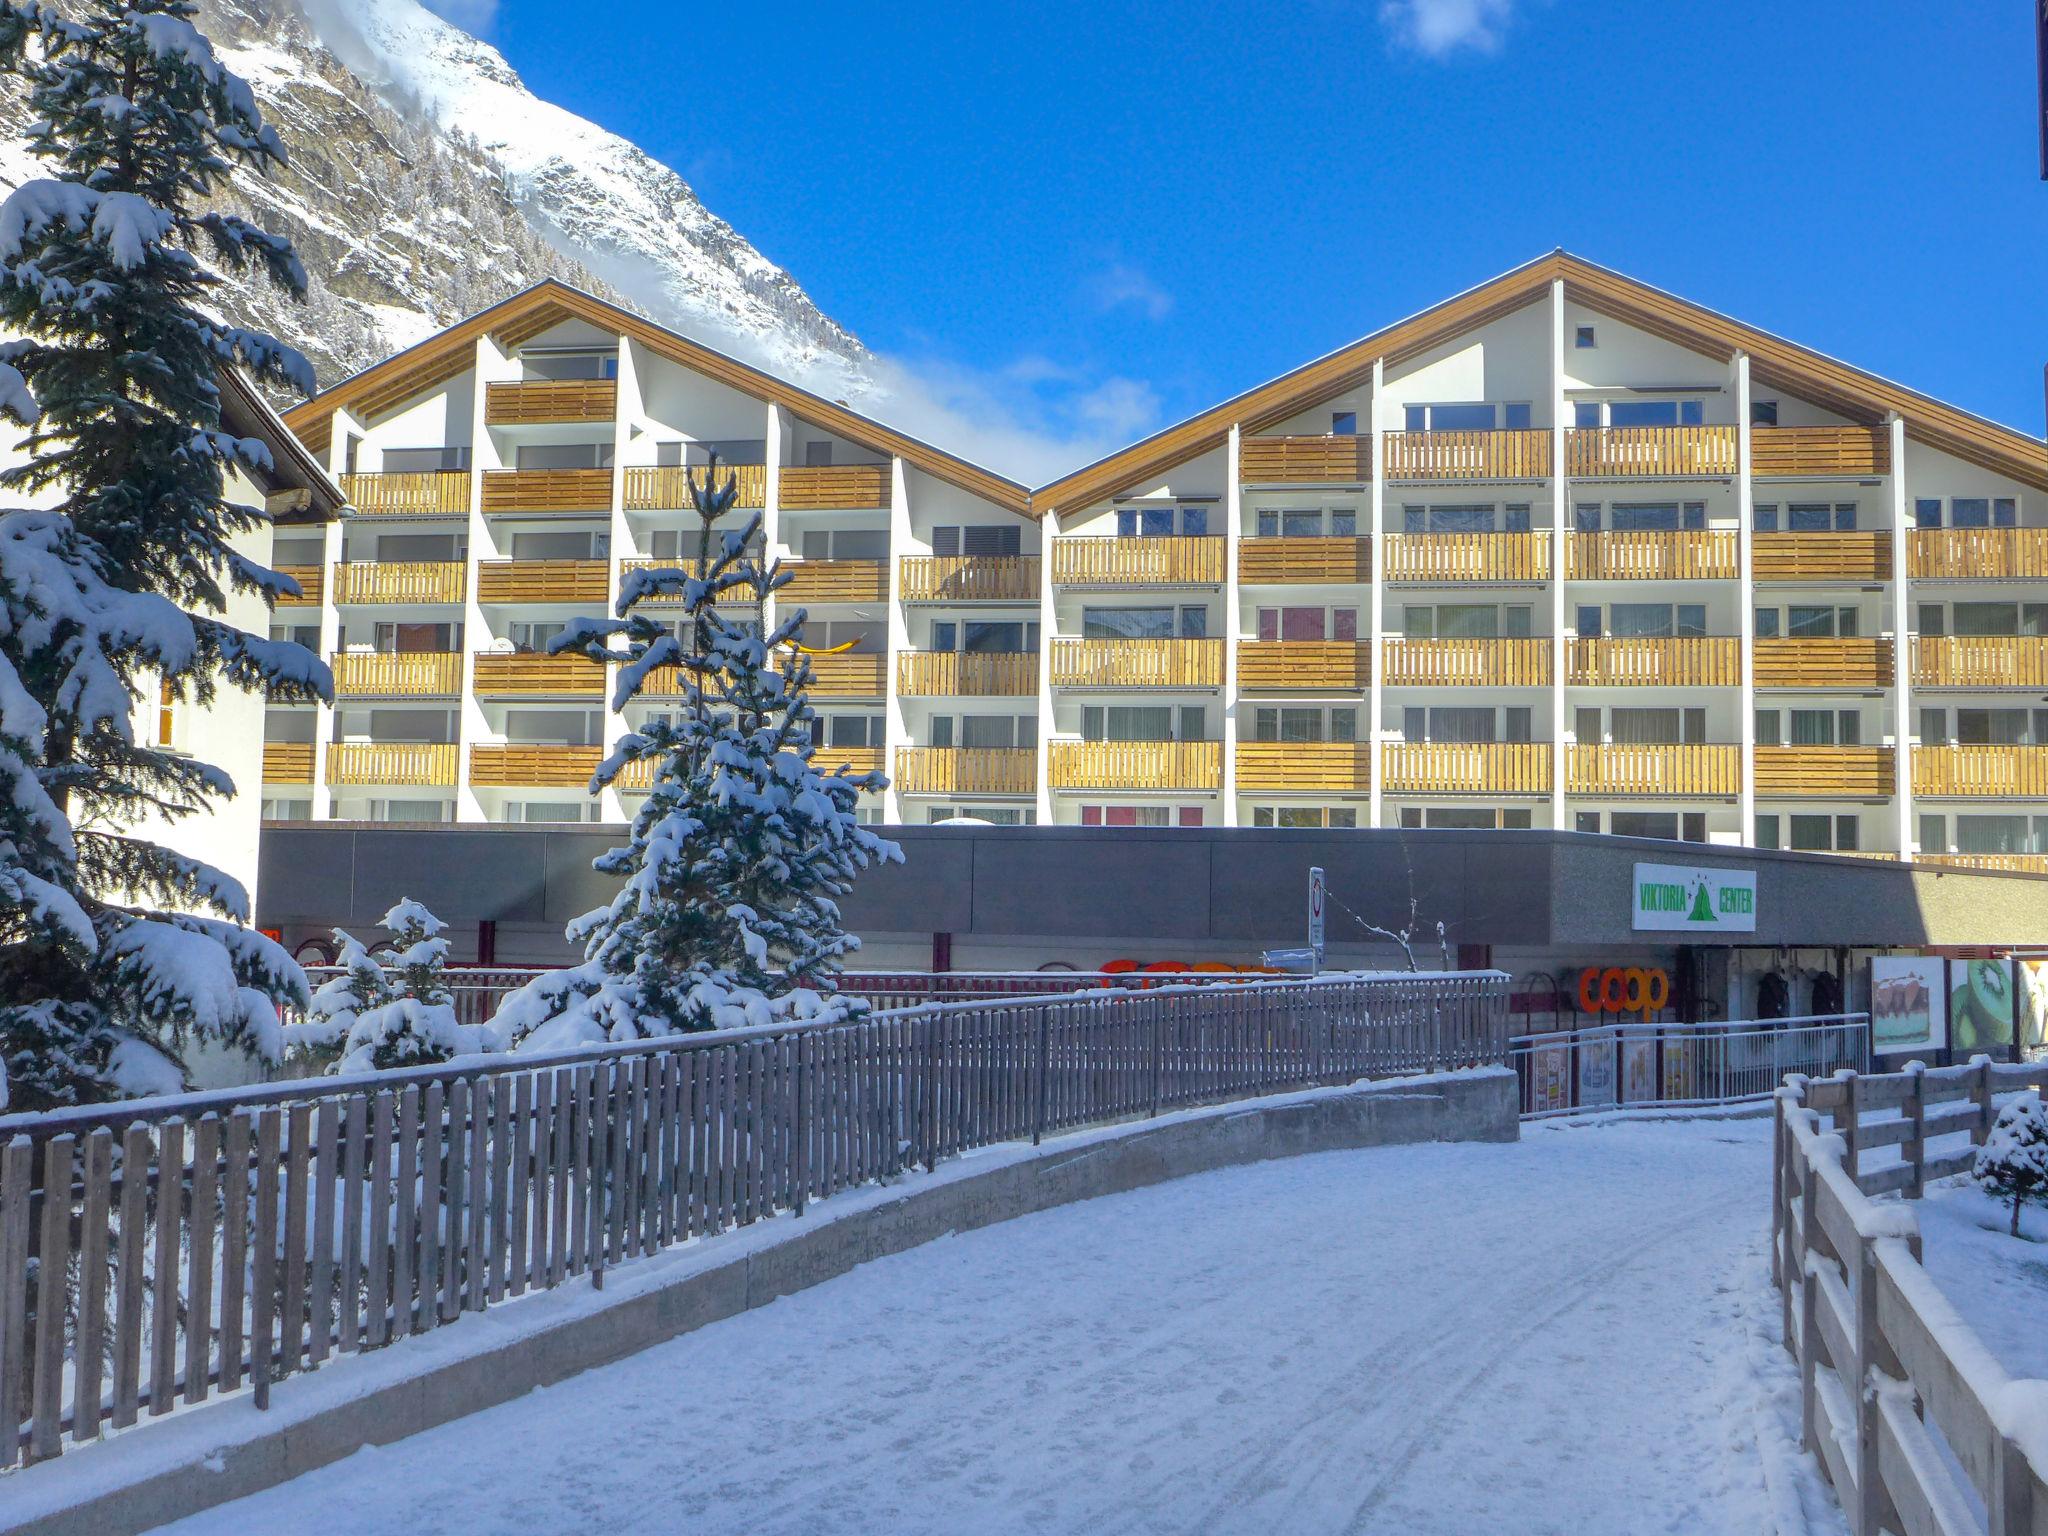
point(390, 1009)
point(2012, 1164)
point(120, 590)
point(727, 910)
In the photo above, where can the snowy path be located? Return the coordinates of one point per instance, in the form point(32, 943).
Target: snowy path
point(1569, 1335)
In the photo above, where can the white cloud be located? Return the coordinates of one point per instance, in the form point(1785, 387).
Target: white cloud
point(475, 17)
point(1439, 28)
point(1119, 284)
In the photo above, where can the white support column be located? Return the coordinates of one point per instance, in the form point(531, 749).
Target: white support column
point(330, 648)
point(1233, 530)
point(610, 806)
point(1376, 602)
point(897, 631)
point(471, 723)
point(1048, 530)
point(1560, 512)
point(1902, 640)
point(771, 501)
point(1745, 596)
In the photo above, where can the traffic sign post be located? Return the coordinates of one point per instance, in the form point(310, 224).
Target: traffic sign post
point(1315, 915)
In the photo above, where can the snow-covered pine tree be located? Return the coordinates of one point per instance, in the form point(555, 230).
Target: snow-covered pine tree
point(121, 588)
point(2012, 1164)
point(727, 910)
point(393, 1008)
point(338, 1002)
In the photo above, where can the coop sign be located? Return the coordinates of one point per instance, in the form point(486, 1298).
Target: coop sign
point(1682, 898)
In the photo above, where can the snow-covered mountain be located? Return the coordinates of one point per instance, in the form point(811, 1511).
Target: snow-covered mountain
point(427, 182)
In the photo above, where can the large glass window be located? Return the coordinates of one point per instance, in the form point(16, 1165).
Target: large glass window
point(1127, 722)
point(1127, 623)
point(1162, 522)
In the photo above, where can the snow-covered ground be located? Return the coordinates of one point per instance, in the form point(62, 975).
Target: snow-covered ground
point(1998, 1282)
point(1574, 1334)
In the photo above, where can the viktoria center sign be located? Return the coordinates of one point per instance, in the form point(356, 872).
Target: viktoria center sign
point(1681, 898)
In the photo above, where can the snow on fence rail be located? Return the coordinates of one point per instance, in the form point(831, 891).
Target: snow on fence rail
point(169, 1250)
point(1889, 1372)
point(1572, 1070)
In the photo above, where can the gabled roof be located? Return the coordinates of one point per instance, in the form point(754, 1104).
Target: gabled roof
point(1774, 363)
point(383, 386)
point(296, 476)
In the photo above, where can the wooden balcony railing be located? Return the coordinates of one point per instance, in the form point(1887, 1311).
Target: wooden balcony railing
point(547, 490)
point(1177, 562)
point(495, 674)
point(539, 402)
point(1303, 767)
point(392, 762)
point(2019, 773)
point(1595, 768)
point(398, 674)
point(850, 675)
point(1856, 662)
point(311, 585)
point(1515, 663)
point(835, 581)
point(1710, 554)
point(1821, 557)
point(1697, 661)
point(1281, 666)
point(741, 594)
point(1137, 663)
point(1304, 460)
point(967, 674)
point(1978, 554)
point(1460, 557)
point(1137, 765)
point(1846, 451)
point(2009, 863)
point(966, 770)
point(1336, 561)
point(968, 578)
point(398, 581)
point(855, 760)
point(1855, 773)
point(287, 762)
point(666, 488)
point(1521, 454)
point(406, 494)
point(543, 581)
point(832, 487)
point(1980, 661)
point(1466, 767)
point(1682, 453)
point(513, 765)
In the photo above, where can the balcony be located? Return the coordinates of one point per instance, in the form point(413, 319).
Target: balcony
point(1819, 557)
point(851, 675)
point(1849, 773)
point(1467, 557)
point(1694, 554)
point(740, 594)
point(1824, 662)
point(1980, 661)
point(398, 674)
point(1303, 767)
point(968, 578)
point(1304, 460)
point(1650, 453)
point(1977, 554)
point(287, 762)
point(966, 770)
point(666, 488)
point(1829, 452)
point(547, 490)
point(2014, 773)
point(399, 581)
point(1462, 663)
point(835, 581)
point(1283, 666)
point(392, 762)
point(1522, 454)
point(832, 487)
point(546, 402)
point(1334, 561)
point(1137, 663)
point(441, 493)
point(1653, 769)
point(311, 586)
point(967, 674)
point(2004, 863)
point(518, 766)
point(499, 675)
point(1645, 661)
point(543, 581)
point(1466, 767)
point(1137, 765)
point(1165, 562)
point(855, 760)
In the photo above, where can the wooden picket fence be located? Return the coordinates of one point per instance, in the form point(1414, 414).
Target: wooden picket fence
point(167, 1251)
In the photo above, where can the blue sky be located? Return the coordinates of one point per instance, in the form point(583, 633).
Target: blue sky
point(1104, 217)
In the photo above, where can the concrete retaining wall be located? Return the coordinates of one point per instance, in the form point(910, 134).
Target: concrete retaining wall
point(162, 1471)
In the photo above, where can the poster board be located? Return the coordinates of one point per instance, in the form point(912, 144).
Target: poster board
point(1596, 1069)
point(1639, 1067)
point(1980, 1008)
point(1550, 1076)
point(2032, 981)
point(1908, 1004)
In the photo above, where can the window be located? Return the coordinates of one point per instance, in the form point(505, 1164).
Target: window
point(1161, 522)
point(1304, 722)
point(1767, 830)
point(563, 456)
point(1310, 816)
point(1656, 517)
point(1127, 623)
point(1344, 423)
point(1127, 722)
point(1764, 517)
point(1125, 816)
point(167, 713)
point(565, 364)
point(287, 810)
point(1308, 623)
point(1814, 833)
point(1194, 623)
point(1006, 635)
point(1826, 727)
point(1934, 834)
point(977, 540)
point(1763, 413)
point(1968, 512)
point(839, 730)
point(1658, 824)
point(1657, 727)
point(846, 544)
point(1586, 413)
point(1933, 727)
point(1655, 413)
point(1926, 513)
point(414, 810)
point(817, 455)
point(994, 815)
point(1767, 728)
point(1461, 519)
point(1586, 517)
point(539, 810)
point(1465, 417)
point(1998, 834)
point(1515, 415)
point(1586, 821)
point(1767, 623)
point(1583, 337)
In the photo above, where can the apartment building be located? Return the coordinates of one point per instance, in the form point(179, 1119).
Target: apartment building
point(1561, 552)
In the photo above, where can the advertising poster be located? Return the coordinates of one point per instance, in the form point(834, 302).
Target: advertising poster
point(1908, 1003)
point(1980, 1008)
point(2032, 979)
point(1550, 1077)
point(1596, 1068)
point(1639, 1069)
point(1679, 1082)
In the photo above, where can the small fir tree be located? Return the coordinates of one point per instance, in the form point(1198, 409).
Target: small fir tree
point(393, 1008)
point(2012, 1164)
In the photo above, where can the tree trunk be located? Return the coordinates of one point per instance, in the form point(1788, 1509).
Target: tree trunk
point(2015, 1215)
